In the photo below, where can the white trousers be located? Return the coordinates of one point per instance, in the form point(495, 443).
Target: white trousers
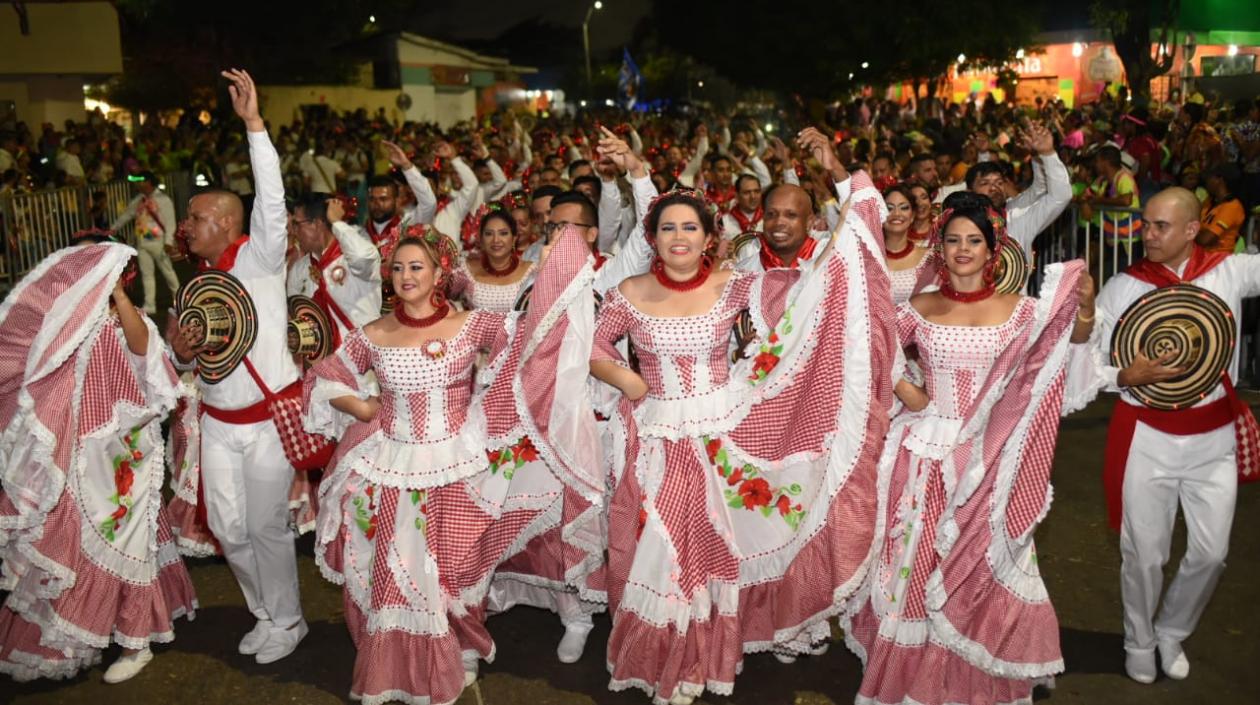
point(1200, 473)
point(150, 252)
point(247, 480)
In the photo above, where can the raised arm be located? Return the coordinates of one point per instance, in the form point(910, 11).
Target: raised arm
point(128, 214)
point(688, 176)
point(636, 256)
point(426, 202)
point(269, 236)
point(362, 258)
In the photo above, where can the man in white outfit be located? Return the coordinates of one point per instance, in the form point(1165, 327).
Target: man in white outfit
point(342, 268)
point(245, 472)
point(154, 216)
point(1157, 460)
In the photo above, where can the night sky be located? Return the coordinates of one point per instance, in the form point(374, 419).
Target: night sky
point(611, 27)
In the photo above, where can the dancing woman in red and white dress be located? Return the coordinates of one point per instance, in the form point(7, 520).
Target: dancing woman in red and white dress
point(905, 257)
point(492, 279)
point(954, 610)
point(87, 553)
point(745, 514)
point(415, 518)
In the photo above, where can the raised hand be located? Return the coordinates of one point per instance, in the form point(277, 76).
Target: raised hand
point(616, 150)
point(819, 145)
point(396, 155)
point(1085, 295)
point(1038, 139)
point(336, 210)
point(244, 98)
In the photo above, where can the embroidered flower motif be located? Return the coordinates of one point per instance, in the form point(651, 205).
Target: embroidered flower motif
point(124, 481)
point(755, 493)
point(526, 451)
point(748, 490)
point(771, 351)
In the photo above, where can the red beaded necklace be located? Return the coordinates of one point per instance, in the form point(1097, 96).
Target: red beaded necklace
point(491, 271)
point(658, 270)
point(425, 322)
point(902, 253)
point(966, 297)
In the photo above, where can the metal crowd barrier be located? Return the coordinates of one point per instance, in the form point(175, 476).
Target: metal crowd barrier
point(33, 225)
point(1072, 236)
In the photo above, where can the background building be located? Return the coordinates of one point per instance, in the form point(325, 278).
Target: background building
point(409, 77)
point(48, 52)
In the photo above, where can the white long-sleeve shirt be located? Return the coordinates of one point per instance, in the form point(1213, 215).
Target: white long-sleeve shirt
point(497, 186)
point(450, 219)
point(636, 254)
point(1235, 279)
point(154, 216)
point(261, 268)
point(1040, 204)
point(353, 279)
point(616, 217)
point(692, 169)
point(426, 202)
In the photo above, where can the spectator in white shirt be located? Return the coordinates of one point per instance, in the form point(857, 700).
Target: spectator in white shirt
point(320, 171)
point(154, 216)
point(69, 164)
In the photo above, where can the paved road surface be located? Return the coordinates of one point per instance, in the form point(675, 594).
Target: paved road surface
point(1078, 556)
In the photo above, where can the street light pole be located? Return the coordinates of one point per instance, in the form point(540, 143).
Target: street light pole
point(586, 42)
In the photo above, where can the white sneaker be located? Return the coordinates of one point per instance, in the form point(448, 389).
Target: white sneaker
point(470, 660)
point(1140, 665)
point(1173, 658)
point(682, 699)
point(128, 665)
point(281, 642)
point(254, 640)
point(574, 642)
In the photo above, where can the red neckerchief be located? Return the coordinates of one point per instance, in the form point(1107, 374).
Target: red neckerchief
point(746, 222)
point(1198, 419)
point(227, 260)
point(1201, 262)
point(442, 202)
point(721, 197)
point(769, 260)
point(378, 236)
point(600, 259)
point(323, 297)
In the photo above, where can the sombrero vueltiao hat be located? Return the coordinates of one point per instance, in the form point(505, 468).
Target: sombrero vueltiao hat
point(743, 239)
point(1192, 321)
point(218, 305)
point(1010, 272)
point(310, 333)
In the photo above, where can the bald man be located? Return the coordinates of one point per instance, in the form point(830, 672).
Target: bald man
point(786, 240)
point(1157, 460)
point(244, 471)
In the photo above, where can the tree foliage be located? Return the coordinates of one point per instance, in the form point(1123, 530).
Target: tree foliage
point(1130, 23)
point(804, 47)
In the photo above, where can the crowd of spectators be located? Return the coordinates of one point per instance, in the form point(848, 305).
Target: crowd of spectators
point(1119, 154)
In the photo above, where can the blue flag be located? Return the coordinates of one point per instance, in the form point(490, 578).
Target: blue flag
point(629, 81)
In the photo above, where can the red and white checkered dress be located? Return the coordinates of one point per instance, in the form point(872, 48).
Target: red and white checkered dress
point(87, 553)
point(954, 610)
point(746, 511)
point(415, 515)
